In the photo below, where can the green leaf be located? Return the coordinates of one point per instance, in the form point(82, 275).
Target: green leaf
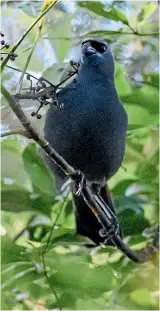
point(14, 145)
point(143, 297)
point(140, 116)
point(146, 11)
point(15, 198)
point(121, 187)
point(116, 15)
point(99, 9)
point(135, 127)
point(132, 223)
point(11, 159)
point(131, 215)
point(152, 79)
point(37, 171)
point(65, 236)
point(57, 36)
point(93, 304)
point(148, 172)
point(74, 273)
point(145, 97)
point(150, 27)
point(12, 253)
point(122, 86)
point(104, 33)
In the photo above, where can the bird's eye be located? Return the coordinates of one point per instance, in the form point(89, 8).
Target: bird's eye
point(99, 46)
point(103, 48)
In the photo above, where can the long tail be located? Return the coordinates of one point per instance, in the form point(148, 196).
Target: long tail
point(86, 222)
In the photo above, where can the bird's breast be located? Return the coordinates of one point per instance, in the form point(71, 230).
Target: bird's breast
point(89, 132)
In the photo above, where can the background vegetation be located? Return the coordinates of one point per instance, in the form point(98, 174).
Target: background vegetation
point(64, 273)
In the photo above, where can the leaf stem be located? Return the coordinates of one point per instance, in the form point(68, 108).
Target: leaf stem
point(16, 132)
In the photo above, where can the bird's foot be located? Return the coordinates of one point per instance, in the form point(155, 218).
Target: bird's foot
point(81, 185)
point(111, 233)
point(80, 182)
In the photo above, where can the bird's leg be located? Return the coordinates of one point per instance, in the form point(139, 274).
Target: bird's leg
point(97, 185)
point(111, 233)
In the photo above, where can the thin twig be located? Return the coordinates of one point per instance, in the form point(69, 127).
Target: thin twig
point(27, 73)
point(49, 242)
point(33, 96)
point(16, 132)
point(48, 280)
point(106, 33)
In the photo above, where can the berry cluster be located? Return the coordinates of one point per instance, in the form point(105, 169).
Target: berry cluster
point(5, 45)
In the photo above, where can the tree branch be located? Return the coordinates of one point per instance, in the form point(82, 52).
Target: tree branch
point(33, 96)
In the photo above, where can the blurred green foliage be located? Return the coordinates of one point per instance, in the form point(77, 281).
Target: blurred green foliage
point(40, 259)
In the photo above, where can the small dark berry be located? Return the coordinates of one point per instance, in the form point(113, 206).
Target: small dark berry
point(46, 103)
point(33, 114)
point(28, 77)
point(1, 57)
point(12, 58)
point(7, 46)
point(2, 42)
point(55, 102)
point(39, 116)
point(2, 34)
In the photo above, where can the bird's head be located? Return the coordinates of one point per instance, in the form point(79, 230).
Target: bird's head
point(98, 53)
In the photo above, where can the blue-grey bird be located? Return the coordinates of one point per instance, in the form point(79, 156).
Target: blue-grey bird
point(90, 130)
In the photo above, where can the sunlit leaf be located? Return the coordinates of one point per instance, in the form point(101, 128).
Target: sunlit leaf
point(12, 166)
point(16, 199)
point(73, 270)
point(145, 97)
point(46, 3)
point(57, 36)
point(149, 27)
point(152, 79)
point(37, 171)
point(14, 145)
point(104, 33)
point(122, 86)
point(99, 9)
point(12, 253)
point(146, 11)
point(140, 116)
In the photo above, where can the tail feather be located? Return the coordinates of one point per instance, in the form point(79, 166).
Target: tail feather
point(86, 222)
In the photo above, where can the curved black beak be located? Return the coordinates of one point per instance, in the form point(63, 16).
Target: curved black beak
point(88, 50)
